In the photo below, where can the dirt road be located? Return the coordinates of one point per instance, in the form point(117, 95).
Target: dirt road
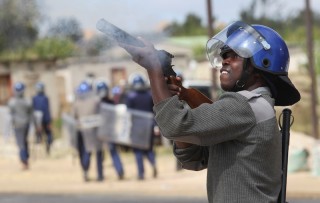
point(60, 174)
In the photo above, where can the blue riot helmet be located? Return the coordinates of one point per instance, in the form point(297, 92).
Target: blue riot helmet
point(19, 88)
point(138, 82)
point(102, 89)
point(116, 90)
point(39, 87)
point(239, 37)
point(265, 49)
point(83, 89)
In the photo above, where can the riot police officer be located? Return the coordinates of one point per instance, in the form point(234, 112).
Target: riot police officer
point(237, 137)
point(21, 115)
point(87, 104)
point(103, 92)
point(139, 98)
point(41, 103)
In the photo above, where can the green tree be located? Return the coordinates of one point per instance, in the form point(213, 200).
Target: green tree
point(256, 14)
point(192, 26)
point(97, 44)
point(296, 28)
point(291, 27)
point(68, 28)
point(53, 48)
point(18, 20)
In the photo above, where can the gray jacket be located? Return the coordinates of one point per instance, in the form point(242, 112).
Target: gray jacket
point(21, 112)
point(236, 138)
point(21, 117)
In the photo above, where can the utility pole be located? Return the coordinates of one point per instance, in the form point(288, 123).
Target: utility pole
point(314, 97)
point(214, 91)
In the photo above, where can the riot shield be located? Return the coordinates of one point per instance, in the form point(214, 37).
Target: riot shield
point(69, 126)
point(126, 126)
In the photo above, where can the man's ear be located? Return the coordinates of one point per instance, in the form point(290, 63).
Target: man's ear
point(259, 77)
point(251, 69)
point(257, 74)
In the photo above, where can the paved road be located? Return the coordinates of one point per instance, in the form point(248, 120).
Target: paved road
point(93, 199)
point(58, 179)
point(109, 199)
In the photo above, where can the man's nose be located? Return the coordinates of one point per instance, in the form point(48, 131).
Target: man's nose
point(226, 60)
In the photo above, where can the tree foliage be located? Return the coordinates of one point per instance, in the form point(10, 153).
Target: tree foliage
point(97, 44)
point(53, 48)
point(42, 49)
point(190, 27)
point(291, 27)
point(19, 32)
point(18, 20)
point(67, 28)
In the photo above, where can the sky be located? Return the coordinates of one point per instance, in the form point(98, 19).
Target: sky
point(149, 15)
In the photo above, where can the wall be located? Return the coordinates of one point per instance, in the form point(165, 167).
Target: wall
point(62, 77)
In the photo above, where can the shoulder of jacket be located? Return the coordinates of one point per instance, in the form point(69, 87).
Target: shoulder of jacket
point(261, 108)
point(248, 94)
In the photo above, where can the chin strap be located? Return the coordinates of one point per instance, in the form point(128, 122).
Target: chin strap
point(244, 76)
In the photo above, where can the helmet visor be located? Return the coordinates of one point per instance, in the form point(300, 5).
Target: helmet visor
point(239, 37)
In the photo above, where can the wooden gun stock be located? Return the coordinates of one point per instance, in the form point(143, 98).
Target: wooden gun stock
point(193, 97)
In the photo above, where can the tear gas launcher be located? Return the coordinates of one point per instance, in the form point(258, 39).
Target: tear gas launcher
point(192, 96)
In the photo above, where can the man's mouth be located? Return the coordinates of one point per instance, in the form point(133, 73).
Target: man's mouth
point(224, 72)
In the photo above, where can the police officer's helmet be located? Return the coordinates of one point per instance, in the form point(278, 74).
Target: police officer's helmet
point(19, 88)
point(102, 86)
point(102, 89)
point(266, 50)
point(39, 87)
point(83, 88)
point(138, 82)
point(116, 90)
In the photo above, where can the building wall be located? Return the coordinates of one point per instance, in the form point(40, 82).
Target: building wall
point(30, 74)
point(61, 78)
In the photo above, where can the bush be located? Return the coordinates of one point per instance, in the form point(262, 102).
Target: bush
point(53, 48)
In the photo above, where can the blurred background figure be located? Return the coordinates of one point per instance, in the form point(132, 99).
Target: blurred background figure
point(139, 98)
point(119, 92)
point(87, 104)
point(103, 93)
point(21, 115)
point(41, 107)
